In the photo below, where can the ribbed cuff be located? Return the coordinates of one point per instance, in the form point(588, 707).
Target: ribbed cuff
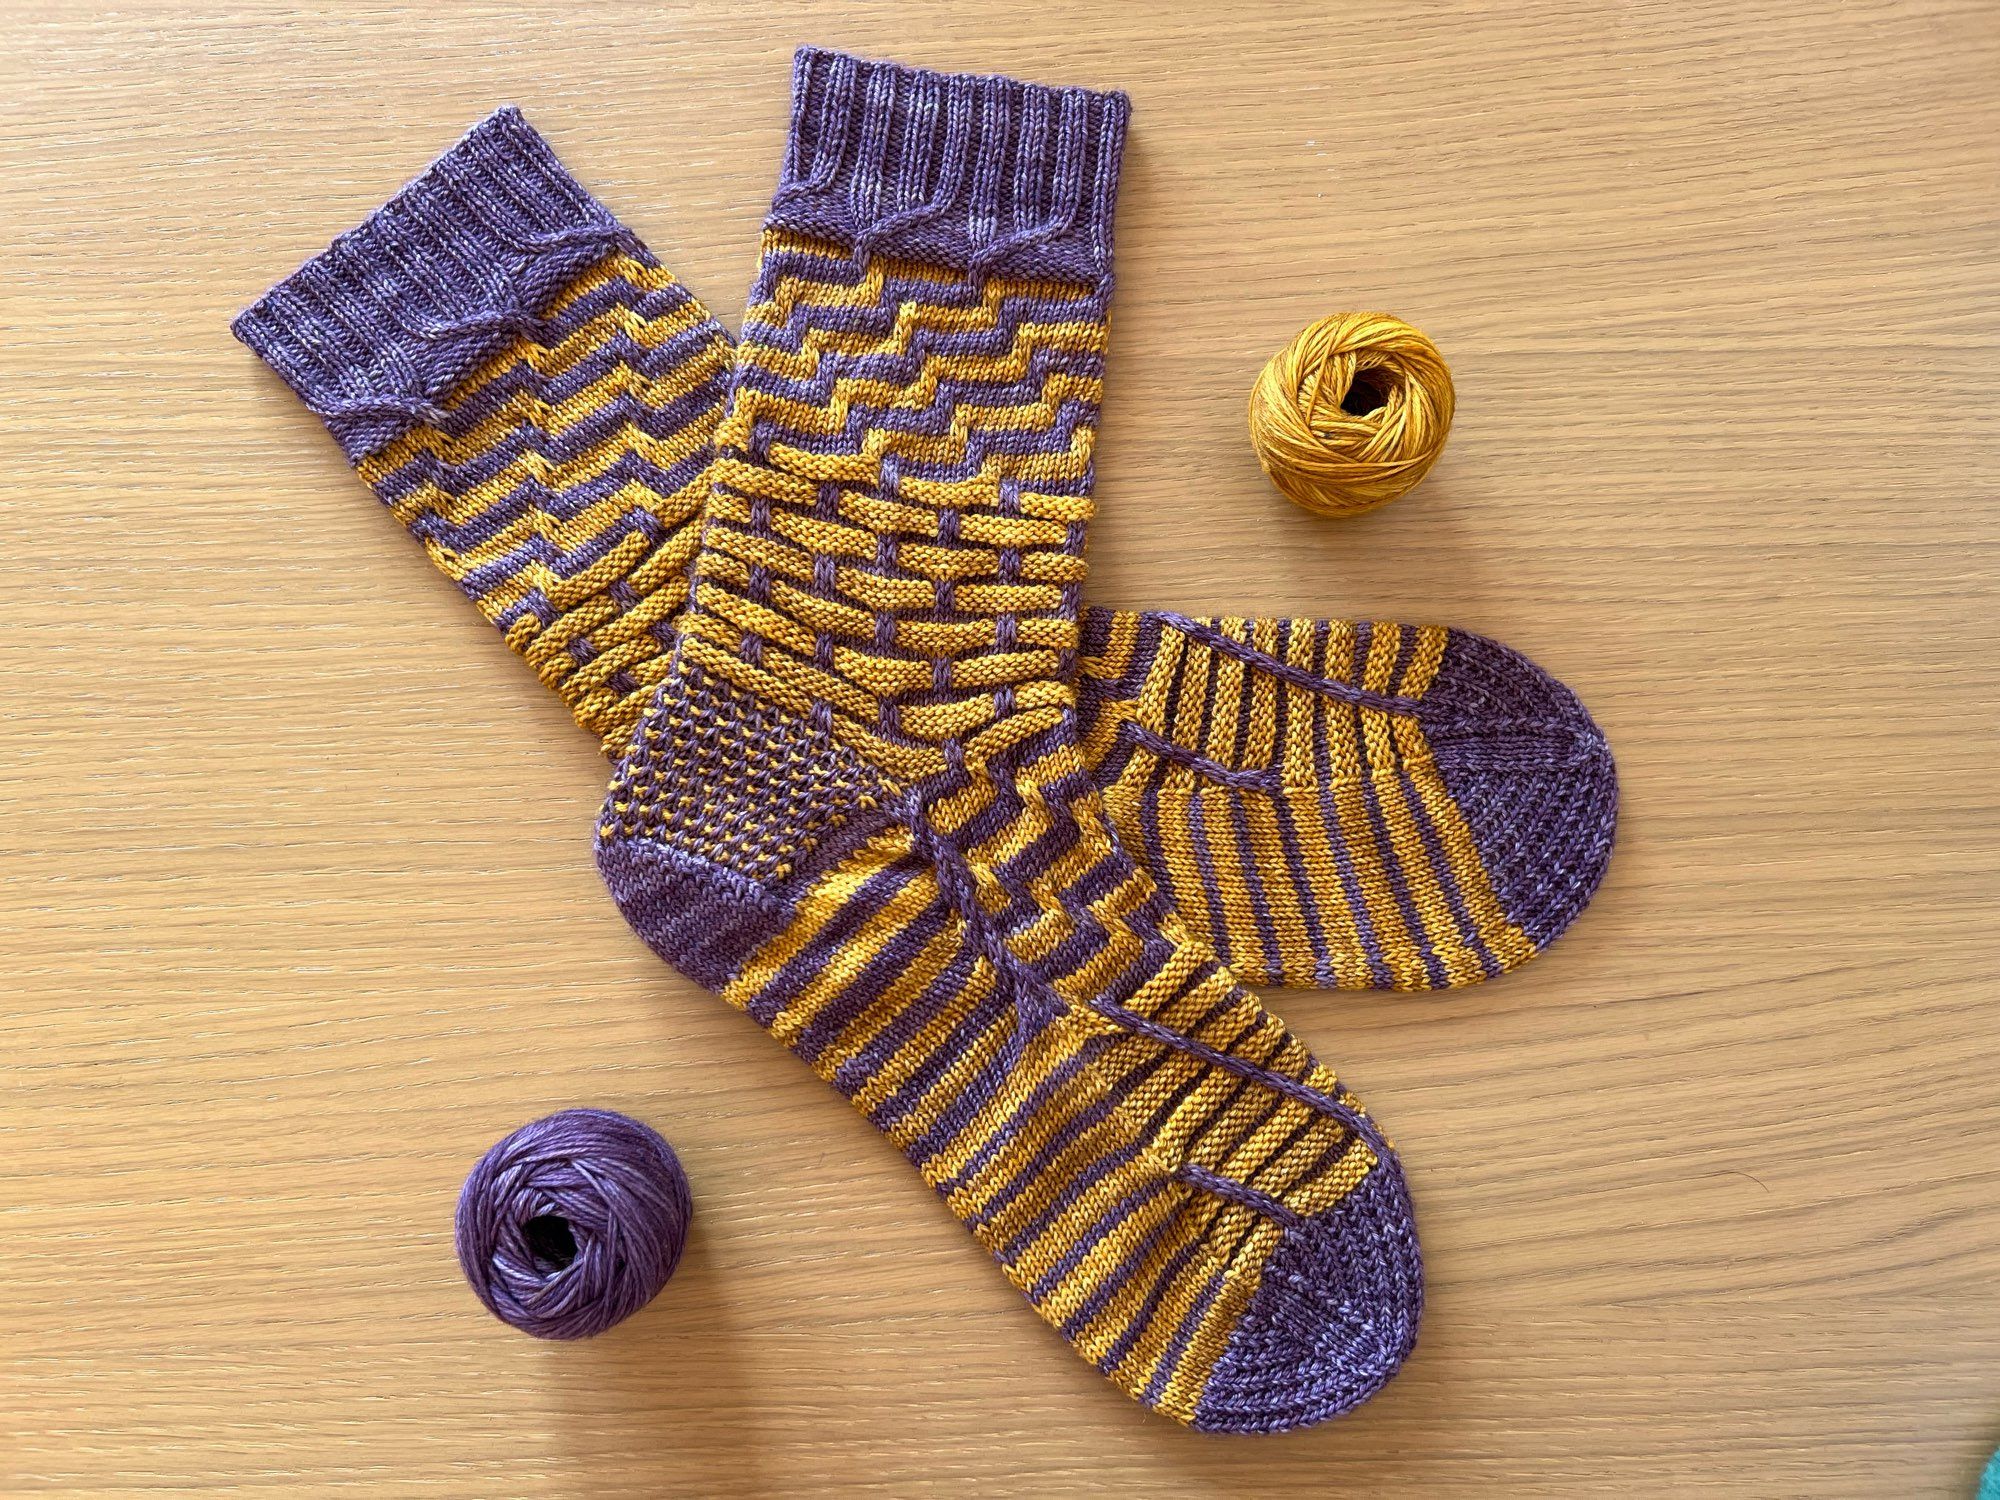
point(379, 327)
point(970, 172)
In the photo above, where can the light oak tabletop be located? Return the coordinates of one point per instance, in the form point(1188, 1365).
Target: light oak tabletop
point(297, 909)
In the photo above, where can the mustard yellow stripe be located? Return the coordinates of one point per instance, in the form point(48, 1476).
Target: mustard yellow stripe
point(1038, 1258)
point(1297, 752)
point(883, 924)
point(1346, 739)
point(924, 390)
point(461, 507)
point(905, 990)
point(1151, 1348)
point(1118, 1246)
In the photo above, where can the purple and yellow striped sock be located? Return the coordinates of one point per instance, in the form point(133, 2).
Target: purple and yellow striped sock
point(1328, 803)
point(858, 807)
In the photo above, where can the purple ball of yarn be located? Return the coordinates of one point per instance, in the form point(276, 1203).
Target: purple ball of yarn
point(573, 1223)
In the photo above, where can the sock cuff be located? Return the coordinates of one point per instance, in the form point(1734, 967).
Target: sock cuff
point(381, 325)
point(972, 172)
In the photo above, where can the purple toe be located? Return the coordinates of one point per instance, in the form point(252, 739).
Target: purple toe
point(1532, 775)
point(1333, 1318)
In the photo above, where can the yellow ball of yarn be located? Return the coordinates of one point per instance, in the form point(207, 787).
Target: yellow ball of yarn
point(1351, 413)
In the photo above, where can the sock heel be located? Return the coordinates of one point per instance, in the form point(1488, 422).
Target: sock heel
point(718, 812)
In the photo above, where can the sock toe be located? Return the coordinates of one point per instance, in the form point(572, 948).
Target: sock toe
point(1333, 1318)
point(1531, 774)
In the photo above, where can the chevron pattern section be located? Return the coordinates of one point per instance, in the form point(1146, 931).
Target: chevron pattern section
point(561, 486)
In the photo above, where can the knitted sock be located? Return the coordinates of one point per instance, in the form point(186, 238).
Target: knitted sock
point(1328, 803)
point(858, 806)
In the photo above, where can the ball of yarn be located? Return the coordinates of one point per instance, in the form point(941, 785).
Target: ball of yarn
point(1351, 413)
point(573, 1223)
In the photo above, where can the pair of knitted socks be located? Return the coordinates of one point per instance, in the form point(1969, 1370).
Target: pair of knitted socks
point(989, 860)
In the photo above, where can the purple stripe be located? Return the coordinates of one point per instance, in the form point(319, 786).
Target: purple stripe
point(812, 960)
point(661, 422)
point(619, 347)
point(1288, 835)
point(1006, 1132)
point(1371, 798)
point(1075, 1184)
point(979, 1018)
point(1448, 877)
point(1071, 303)
point(1326, 971)
point(1177, 1346)
point(1357, 904)
point(1204, 858)
point(1072, 417)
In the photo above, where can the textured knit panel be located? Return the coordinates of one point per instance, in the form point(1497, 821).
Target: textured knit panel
point(530, 393)
point(562, 485)
point(901, 488)
point(731, 780)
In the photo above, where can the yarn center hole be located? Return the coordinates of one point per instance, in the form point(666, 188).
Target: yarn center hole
point(1368, 393)
point(551, 1241)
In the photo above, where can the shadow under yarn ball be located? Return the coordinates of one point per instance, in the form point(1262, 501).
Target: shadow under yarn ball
point(573, 1223)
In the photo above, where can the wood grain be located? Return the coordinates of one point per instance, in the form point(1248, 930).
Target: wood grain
point(296, 904)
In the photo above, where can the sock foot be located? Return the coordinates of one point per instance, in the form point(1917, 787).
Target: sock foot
point(1348, 805)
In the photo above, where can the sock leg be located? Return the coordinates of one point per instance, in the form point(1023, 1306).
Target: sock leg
point(860, 808)
point(531, 394)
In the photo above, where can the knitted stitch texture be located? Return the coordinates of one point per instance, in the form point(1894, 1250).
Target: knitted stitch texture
point(1328, 803)
point(858, 807)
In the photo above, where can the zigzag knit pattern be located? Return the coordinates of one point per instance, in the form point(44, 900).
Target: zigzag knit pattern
point(891, 566)
point(563, 487)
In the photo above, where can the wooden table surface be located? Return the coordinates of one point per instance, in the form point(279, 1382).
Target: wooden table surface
point(297, 909)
